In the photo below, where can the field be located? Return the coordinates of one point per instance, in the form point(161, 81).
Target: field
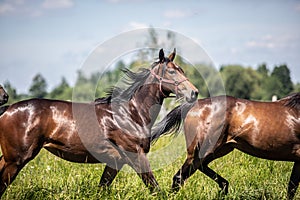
point(49, 177)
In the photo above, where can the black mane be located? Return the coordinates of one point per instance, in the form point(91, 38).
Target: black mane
point(3, 109)
point(133, 79)
point(292, 101)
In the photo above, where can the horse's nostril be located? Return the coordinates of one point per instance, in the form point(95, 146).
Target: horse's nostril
point(194, 95)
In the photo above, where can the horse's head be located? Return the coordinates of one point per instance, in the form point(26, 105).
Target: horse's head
point(171, 78)
point(3, 96)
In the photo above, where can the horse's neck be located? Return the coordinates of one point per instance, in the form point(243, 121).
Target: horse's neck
point(147, 102)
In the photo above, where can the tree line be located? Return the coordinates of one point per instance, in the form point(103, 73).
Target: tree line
point(239, 81)
point(235, 80)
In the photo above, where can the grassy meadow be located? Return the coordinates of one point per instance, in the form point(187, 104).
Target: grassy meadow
point(49, 177)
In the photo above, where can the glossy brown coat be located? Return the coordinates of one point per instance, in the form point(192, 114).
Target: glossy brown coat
point(114, 130)
point(215, 126)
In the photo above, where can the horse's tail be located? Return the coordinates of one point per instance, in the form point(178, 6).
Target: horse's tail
point(3, 109)
point(171, 124)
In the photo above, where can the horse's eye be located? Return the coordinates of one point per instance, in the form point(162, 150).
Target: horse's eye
point(172, 71)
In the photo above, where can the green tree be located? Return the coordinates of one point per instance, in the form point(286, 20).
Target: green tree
point(263, 70)
point(283, 85)
point(38, 86)
point(84, 90)
point(11, 91)
point(297, 87)
point(63, 91)
point(262, 91)
point(255, 81)
point(237, 82)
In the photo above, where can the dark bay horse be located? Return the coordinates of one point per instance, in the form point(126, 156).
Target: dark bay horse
point(3, 96)
point(114, 130)
point(214, 126)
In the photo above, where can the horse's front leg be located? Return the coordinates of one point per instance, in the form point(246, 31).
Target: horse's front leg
point(109, 175)
point(294, 180)
point(139, 162)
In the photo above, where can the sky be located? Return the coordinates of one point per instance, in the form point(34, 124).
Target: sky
point(55, 37)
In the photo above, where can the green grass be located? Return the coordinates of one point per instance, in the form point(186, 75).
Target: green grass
point(49, 177)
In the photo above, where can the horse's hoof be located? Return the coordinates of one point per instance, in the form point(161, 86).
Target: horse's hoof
point(175, 187)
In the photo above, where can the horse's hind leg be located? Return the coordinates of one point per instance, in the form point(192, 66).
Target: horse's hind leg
point(294, 180)
point(109, 175)
point(189, 167)
point(223, 183)
point(13, 161)
point(194, 162)
point(8, 174)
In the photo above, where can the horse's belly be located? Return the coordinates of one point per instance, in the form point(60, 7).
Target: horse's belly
point(285, 152)
point(84, 154)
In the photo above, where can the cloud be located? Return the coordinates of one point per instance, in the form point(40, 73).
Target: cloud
point(10, 6)
point(18, 7)
point(55, 4)
point(175, 14)
point(281, 41)
point(297, 7)
point(267, 42)
point(6, 8)
point(137, 25)
point(134, 25)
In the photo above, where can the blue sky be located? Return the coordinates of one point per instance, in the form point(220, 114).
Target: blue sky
point(54, 37)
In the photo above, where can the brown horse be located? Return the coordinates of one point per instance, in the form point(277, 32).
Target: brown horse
point(214, 126)
point(114, 130)
point(3, 96)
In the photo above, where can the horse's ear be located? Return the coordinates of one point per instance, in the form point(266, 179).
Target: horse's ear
point(172, 55)
point(161, 56)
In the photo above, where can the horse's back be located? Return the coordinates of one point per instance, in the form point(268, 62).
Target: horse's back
point(30, 114)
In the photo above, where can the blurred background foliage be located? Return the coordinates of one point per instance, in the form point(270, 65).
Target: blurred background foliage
point(249, 82)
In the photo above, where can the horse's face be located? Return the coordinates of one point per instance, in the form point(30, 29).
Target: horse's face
point(172, 78)
point(3, 96)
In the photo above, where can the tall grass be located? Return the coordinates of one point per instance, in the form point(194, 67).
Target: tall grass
point(49, 177)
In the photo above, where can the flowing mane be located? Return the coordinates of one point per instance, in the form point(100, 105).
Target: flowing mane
point(292, 101)
point(133, 80)
point(3, 109)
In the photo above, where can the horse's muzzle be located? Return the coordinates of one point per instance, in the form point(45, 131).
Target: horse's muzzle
point(194, 96)
point(4, 99)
